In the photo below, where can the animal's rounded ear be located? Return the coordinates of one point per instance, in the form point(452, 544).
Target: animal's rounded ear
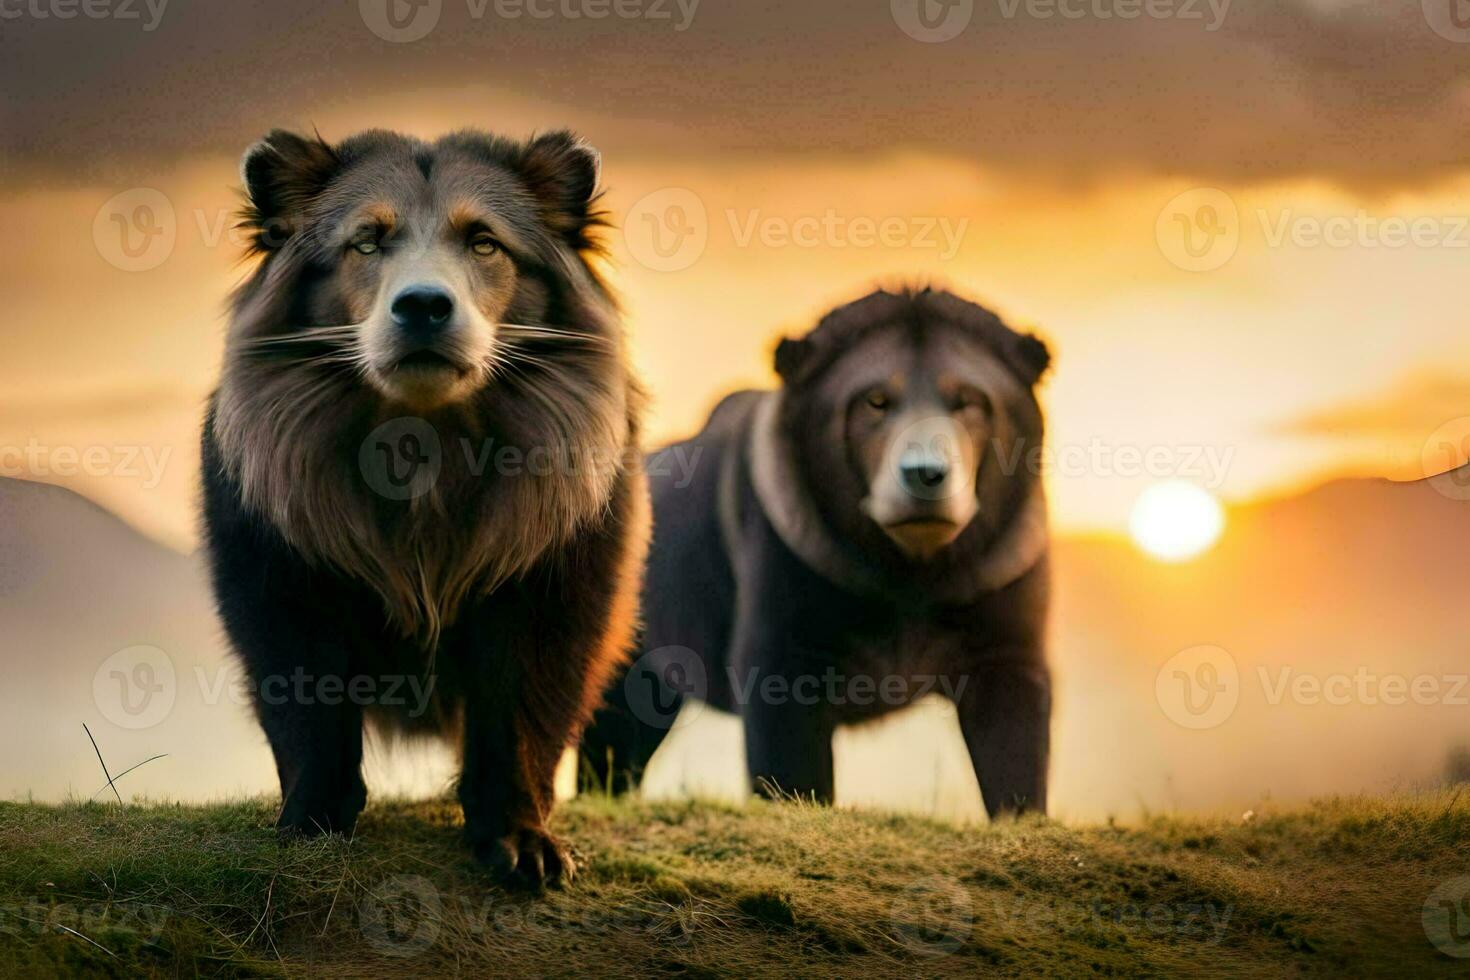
point(791, 357)
point(281, 173)
point(1032, 357)
point(562, 171)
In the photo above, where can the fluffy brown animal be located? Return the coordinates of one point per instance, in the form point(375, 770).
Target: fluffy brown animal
point(421, 470)
point(869, 533)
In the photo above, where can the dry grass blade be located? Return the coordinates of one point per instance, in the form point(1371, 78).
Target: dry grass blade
point(101, 762)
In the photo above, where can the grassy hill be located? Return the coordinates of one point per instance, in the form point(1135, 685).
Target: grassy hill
point(696, 889)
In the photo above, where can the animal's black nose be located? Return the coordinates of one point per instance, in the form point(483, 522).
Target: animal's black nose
point(924, 474)
point(422, 309)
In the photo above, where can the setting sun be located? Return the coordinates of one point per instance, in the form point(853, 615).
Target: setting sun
point(1175, 520)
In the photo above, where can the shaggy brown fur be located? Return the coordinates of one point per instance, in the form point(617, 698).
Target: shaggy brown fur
point(869, 533)
point(509, 581)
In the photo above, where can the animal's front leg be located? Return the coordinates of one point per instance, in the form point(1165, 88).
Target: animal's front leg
point(528, 696)
point(316, 738)
point(318, 750)
point(512, 745)
point(789, 720)
point(788, 747)
point(1005, 714)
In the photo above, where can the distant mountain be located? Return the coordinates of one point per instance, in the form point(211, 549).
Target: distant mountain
point(104, 626)
point(1357, 585)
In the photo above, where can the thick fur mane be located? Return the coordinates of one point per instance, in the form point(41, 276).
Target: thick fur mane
point(291, 431)
point(966, 571)
point(814, 508)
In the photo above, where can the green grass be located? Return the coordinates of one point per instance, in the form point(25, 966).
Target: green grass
point(700, 889)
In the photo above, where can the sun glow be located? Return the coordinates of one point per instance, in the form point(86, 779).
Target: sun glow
point(1175, 520)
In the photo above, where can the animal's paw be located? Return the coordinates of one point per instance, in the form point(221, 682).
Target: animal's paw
point(527, 857)
point(313, 808)
point(291, 828)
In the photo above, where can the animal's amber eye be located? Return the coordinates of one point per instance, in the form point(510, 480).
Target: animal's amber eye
point(484, 245)
point(366, 246)
point(877, 398)
point(970, 400)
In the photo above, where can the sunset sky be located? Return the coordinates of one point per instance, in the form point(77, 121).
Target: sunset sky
point(1315, 152)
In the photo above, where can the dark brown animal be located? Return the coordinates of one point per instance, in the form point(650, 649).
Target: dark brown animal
point(871, 532)
point(421, 470)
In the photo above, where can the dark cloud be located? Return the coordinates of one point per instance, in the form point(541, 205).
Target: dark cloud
point(1361, 91)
